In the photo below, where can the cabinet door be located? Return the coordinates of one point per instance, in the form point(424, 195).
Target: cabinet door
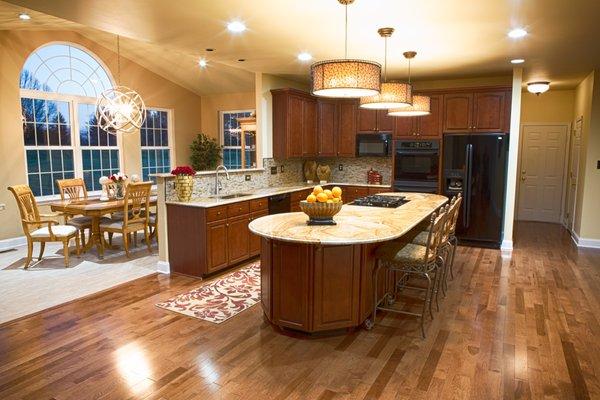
point(346, 132)
point(351, 193)
point(458, 110)
point(327, 125)
point(404, 127)
point(430, 125)
point(216, 236)
point(309, 128)
point(367, 120)
point(255, 239)
point(384, 122)
point(295, 128)
point(238, 239)
point(489, 111)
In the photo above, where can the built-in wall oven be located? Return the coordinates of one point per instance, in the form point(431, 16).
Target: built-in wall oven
point(416, 165)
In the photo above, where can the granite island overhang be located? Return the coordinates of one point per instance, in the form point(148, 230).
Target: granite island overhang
point(318, 278)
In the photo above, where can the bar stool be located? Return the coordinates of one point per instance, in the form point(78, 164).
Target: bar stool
point(411, 259)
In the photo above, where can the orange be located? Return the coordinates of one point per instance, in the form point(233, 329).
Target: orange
point(330, 201)
point(335, 200)
point(318, 189)
point(322, 197)
point(311, 198)
point(337, 191)
point(328, 193)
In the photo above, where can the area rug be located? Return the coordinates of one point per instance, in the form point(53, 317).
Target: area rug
point(219, 300)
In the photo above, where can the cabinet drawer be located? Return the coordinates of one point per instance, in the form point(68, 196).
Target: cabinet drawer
point(233, 210)
point(357, 191)
point(301, 195)
point(259, 204)
point(216, 213)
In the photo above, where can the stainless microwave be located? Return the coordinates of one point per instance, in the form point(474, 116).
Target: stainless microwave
point(374, 145)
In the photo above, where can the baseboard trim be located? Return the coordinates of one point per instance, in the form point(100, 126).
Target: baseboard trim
point(507, 245)
point(585, 242)
point(163, 267)
point(11, 243)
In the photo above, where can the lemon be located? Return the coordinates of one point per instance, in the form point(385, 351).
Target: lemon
point(311, 198)
point(328, 193)
point(336, 191)
point(318, 189)
point(335, 200)
point(322, 197)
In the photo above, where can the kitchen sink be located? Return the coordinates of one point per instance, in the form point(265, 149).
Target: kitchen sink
point(233, 196)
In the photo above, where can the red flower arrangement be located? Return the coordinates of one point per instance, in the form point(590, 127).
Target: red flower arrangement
point(184, 170)
point(118, 177)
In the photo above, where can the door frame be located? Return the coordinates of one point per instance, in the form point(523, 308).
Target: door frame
point(564, 221)
point(565, 165)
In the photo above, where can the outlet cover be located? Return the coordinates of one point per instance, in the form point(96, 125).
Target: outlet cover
point(248, 177)
point(273, 170)
point(598, 164)
point(340, 167)
point(281, 169)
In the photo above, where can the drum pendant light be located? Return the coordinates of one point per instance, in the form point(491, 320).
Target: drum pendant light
point(421, 105)
point(393, 94)
point(120, 109)
point(345, 77)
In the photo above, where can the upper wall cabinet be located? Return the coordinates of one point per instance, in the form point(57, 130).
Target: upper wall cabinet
point(425, 127)
point(478, 111)
point(294, 124)
point(374, 121)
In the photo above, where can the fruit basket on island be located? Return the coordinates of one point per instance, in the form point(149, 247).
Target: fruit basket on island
point(321, 205)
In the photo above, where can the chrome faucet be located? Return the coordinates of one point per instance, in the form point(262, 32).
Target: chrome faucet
point(217, 182)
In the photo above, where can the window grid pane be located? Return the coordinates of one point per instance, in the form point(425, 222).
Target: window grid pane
point(154, 140)
point(232, 143)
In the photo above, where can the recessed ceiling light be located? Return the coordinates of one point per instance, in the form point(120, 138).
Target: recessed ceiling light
point(24, 16)
point(538, 87)
point(517, 33)
point(236, 26)
point(517, 61)
point(202, 63)
point(241, 59)
point(304, 56)
point(210, 49)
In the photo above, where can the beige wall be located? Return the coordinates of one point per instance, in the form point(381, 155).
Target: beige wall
point(554, 106)
point(212, 104)
point(15, 47)
point(463, 83)
point(587, 105)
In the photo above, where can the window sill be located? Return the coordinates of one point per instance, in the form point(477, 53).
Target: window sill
point(202, 173)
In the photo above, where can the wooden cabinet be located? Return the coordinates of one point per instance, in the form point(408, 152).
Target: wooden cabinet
point(346, 132)
point(296, 197)
point(374, 121)
point(206, 240)
point(426, 127)
point(477, 111)
point(377, 190)
point(327, 122)
point(294, 124)
point(351, 193)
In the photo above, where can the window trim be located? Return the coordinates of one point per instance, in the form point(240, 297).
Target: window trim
point(170, 135)
point(242, 138)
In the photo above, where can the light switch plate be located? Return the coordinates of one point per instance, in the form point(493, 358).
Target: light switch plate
point(340, 167)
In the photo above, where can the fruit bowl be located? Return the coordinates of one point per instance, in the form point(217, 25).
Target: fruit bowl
point(320, 213)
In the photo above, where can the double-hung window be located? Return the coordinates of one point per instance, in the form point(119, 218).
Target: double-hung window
point(59, 86)
point(155, 140)
point(239, 148)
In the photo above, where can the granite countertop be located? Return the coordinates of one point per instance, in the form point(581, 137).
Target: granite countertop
point(355, 224)
point(209, 201)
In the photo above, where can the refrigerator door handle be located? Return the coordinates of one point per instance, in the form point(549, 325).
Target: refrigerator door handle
point(469, 172)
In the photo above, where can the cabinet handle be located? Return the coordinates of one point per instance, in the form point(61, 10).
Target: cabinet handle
point(227, 225)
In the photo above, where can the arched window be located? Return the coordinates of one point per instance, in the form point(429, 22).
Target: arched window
point(59, 86)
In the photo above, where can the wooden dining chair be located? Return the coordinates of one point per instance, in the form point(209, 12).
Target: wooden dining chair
point(135, 215)
point(74, 189)
point(37, 229)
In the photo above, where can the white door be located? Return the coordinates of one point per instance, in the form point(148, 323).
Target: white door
point(542, 167)
point(573, 174)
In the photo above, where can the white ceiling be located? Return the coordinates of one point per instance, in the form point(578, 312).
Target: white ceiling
point(453, 38)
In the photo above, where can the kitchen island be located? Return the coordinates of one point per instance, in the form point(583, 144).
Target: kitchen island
point(318, 278)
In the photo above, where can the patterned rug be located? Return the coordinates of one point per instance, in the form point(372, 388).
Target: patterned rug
point(221, 299)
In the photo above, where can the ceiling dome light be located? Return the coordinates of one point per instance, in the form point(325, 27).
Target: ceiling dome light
point(517, 33)
point(236, 27)
point(345, 77)
point(202, 63)
point(304, 56)
point(393, 94)
point(517, 61)
point(24, 17)
point(421, 105)
point(538, 88)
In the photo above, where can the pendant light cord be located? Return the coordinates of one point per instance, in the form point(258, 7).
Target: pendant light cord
point(346, 35)
point(385, 62)
point(409, 71)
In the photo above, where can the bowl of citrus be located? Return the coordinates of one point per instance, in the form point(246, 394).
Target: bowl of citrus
point(321, 205)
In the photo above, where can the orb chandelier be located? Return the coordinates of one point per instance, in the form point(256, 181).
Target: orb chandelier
point(393, 94)
point(120, 109)
point(421, 105)
point(345, 77)
point(538, 88)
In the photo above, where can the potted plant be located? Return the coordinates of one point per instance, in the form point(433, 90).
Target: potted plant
point(184, 182)
point(118, 180)
point(205, 153)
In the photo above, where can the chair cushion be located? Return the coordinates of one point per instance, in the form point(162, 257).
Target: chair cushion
point(80, 222)
point(110, 223)
point(57, 230)
point(152, 219)
point(421, 238)
point(403, 253)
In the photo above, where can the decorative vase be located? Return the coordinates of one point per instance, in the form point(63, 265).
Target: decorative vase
point(119, 190)
point(184, 185)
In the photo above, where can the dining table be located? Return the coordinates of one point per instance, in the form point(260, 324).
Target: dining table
point(94, 208)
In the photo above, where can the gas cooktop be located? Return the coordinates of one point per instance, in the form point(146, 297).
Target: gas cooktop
point(376, 200)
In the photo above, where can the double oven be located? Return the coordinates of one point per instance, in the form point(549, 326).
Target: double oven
point(416, 165)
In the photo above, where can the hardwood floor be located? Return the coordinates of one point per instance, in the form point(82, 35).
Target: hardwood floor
point(524, 326)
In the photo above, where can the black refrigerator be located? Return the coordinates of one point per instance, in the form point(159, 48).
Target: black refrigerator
point(475, 165)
